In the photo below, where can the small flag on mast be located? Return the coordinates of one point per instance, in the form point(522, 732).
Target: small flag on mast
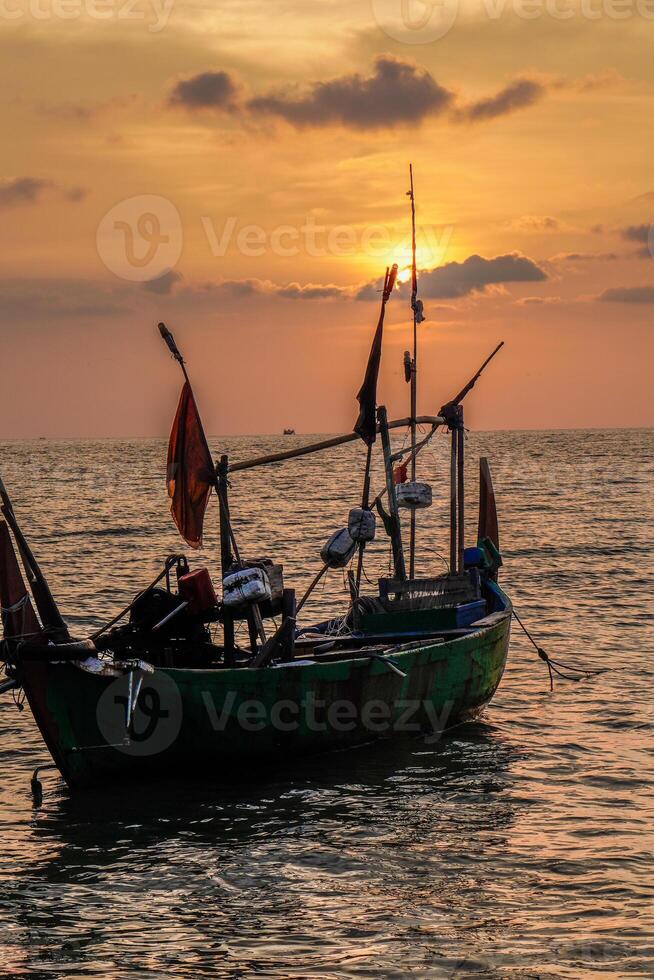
point(190, 470)
point(366, 424)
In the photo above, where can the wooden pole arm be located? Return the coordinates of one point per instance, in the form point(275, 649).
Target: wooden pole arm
point(248, 464)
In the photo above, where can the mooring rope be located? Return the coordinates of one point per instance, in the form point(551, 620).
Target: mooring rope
point(566, 672)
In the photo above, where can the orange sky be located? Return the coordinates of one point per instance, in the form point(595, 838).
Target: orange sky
point(239, 170)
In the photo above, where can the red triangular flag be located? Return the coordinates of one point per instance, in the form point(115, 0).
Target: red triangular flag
point(18, 616)
point(190, 470)
point(400, 473)
point(488, 527)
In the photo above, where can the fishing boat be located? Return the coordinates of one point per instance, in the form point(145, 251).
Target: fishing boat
point(157, 691)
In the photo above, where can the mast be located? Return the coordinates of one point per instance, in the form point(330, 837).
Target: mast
point(454, 420)
point(452, 414)
point(453, 511)
point(460, 460)
point(226, 556)
point(411, 364)
point(394, 526)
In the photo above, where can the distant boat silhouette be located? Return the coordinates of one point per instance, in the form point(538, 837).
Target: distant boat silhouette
point(289, 432)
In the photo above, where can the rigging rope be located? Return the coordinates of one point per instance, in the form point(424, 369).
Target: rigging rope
point(566, 672)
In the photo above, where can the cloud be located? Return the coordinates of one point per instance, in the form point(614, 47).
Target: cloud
point(627, 294)
point(637, 233)
point(30, 190)
point(22, 190)
point(313, 291)
point(585, 257)
point(644, 236)
point(396, 93)
point(164, 284)
point(76, 194)
point(264, 287)
point(208, 90)
point(609, 78)
point(538, 300)
point(535, 222)
point(519, 94)
point(456, 279)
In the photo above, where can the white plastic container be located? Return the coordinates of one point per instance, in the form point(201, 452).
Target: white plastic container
point(361, 524)
point(414, 495)
point(338, 549)
point(246, 586)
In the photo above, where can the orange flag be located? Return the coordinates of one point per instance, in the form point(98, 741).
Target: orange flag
point(190, 470)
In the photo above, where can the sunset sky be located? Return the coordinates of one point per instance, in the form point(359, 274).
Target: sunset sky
point(239, 170)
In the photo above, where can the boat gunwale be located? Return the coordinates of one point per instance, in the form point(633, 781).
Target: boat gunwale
point(490, 622)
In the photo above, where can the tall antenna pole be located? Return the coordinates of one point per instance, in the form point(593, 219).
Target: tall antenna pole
point(416, 307)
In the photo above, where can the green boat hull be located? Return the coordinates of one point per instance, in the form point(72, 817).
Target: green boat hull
point(102, 727)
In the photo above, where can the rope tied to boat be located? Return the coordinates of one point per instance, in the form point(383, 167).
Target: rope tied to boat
point(567, 672)
point(6, 610)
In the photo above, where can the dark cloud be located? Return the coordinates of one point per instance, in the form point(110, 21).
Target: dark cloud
point(456, 279)
point(76, 194)
point(164, 284)
point(644, 236)
point(637, 233)
point(264, 287)
point(30, 190)
point(208, 90)
point(585, 257)
point(22, 190)
point(627, 294)
point(396, 93)
point(369, 291)
point(519, 94)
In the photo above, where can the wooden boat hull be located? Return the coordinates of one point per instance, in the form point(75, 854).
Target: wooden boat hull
point(215, 720)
